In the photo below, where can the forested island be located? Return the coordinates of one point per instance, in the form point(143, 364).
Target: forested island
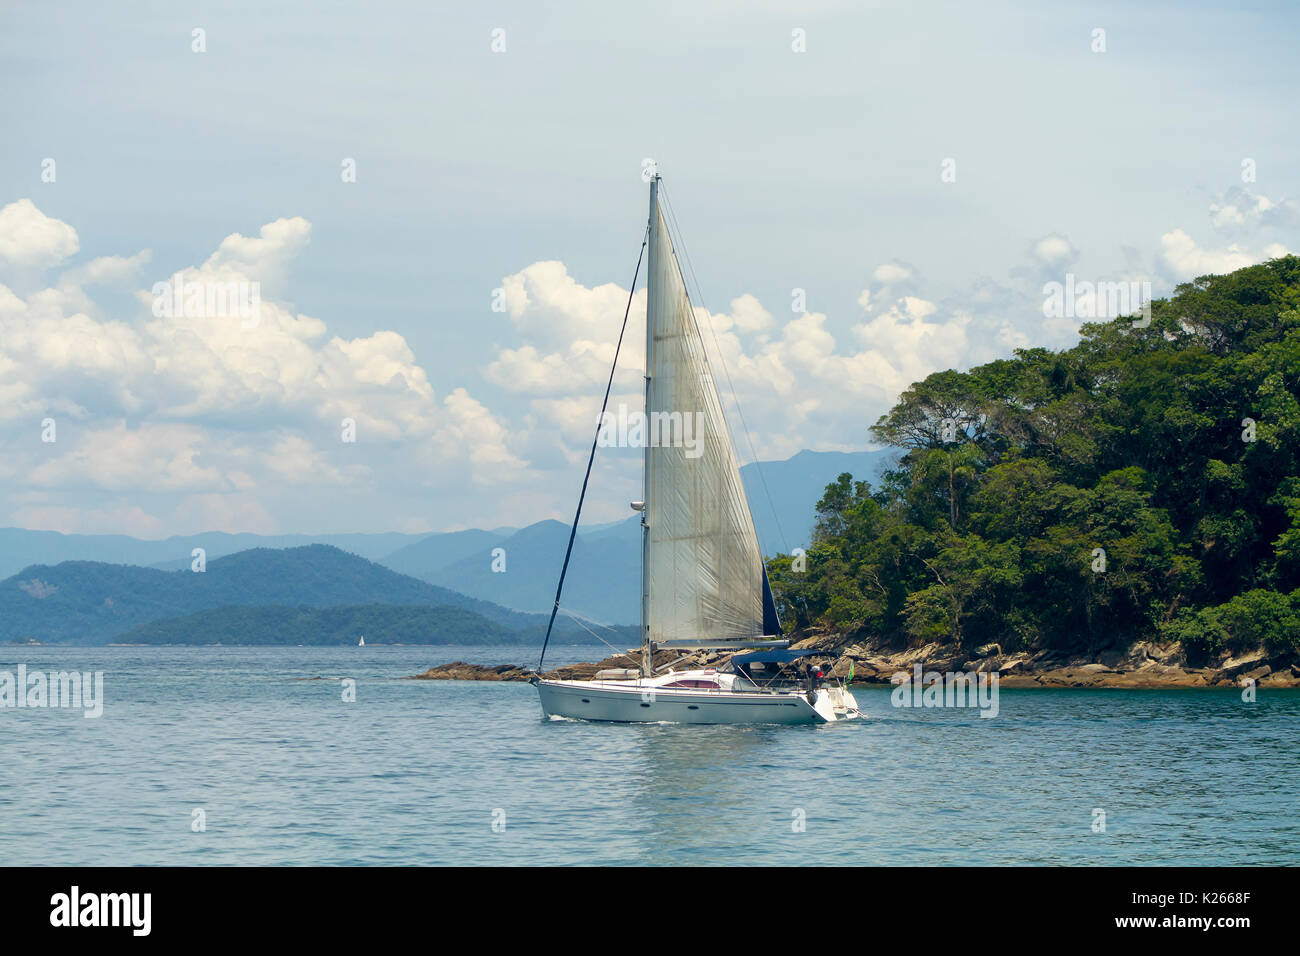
point(315, 594)
point(1139, 490)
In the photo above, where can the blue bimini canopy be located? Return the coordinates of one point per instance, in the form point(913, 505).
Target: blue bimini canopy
point(773, 657)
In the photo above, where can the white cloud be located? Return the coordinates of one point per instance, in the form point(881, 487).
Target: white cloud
point(912, 345)
point(798, 385)
point(1054, 251)
point(174, 424)
point(571, 331)
point(1239, 210)
point(475, 433)
point(262, 258)
point(31, 239)
point(107, 269)
point(1182, 258)
point(152, 457)
point(123, 519)
point(747, 315)
point(801, 384)
point(890, 273)
point(546, 302)
point(211, 418)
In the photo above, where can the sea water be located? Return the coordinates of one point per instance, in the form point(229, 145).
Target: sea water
point(308, 755)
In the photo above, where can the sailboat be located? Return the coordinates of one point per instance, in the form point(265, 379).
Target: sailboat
point(362, 642)
point(703, 582)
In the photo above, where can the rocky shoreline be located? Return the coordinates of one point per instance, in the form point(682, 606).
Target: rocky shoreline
point(1142, 665)
point(459, 670)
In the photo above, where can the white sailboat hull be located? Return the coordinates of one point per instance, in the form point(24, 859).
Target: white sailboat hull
point(632, 702)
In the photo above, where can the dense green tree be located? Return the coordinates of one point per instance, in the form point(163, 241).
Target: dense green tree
point(1144, 483)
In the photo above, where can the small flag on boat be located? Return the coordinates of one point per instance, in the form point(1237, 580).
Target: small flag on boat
point(851, 663)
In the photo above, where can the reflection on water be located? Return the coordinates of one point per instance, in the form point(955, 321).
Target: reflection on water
point(685, 775)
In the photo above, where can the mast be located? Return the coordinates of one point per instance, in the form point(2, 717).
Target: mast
point(652, 267)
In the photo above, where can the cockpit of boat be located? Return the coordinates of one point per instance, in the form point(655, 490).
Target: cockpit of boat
point(777, 668)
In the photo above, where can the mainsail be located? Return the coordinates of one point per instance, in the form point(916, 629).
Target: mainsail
point(704, 577)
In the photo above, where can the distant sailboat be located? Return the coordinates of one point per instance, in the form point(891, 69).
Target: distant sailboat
point(362, 642)
point(703, 583)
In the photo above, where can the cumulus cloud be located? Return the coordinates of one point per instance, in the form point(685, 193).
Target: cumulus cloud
point(31, 239)
point(468, 425)
point(121, 519)
point(262, 257)
point(1249, 217)
point(799, 385)
point(1054, 251)
point(892, 273)
point(571, 331)
point(174, 422)
point(1182, 258)
point(747, 315)
point(205, 413)
point(804, 381)
point(150, 457)
point(1239, 210)
point(106, 270)
point(908, 341)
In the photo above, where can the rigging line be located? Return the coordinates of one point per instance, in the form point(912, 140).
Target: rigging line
point(590, 620)
point(578, 620)
point(568, 553)
point(725, 370)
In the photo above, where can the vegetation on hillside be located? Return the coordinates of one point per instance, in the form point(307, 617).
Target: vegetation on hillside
point(1144, 484)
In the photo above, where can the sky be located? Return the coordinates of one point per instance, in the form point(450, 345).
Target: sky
point(441, 206)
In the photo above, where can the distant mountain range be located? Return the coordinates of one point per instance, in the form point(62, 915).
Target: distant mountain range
point(603, 583)
point(783, 495)
point(20, 547)
point(604, 580)
point(454, 568)
point(93, 602)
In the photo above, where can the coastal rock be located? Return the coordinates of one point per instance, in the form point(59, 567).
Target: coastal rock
point(460, 670)
point(1257, 674)
point(863, 671)
point(1095, 669)
point(1143, 665)
point(1142, 654)
point(1235, 664)
point(946, 657)
point(1118, 660)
